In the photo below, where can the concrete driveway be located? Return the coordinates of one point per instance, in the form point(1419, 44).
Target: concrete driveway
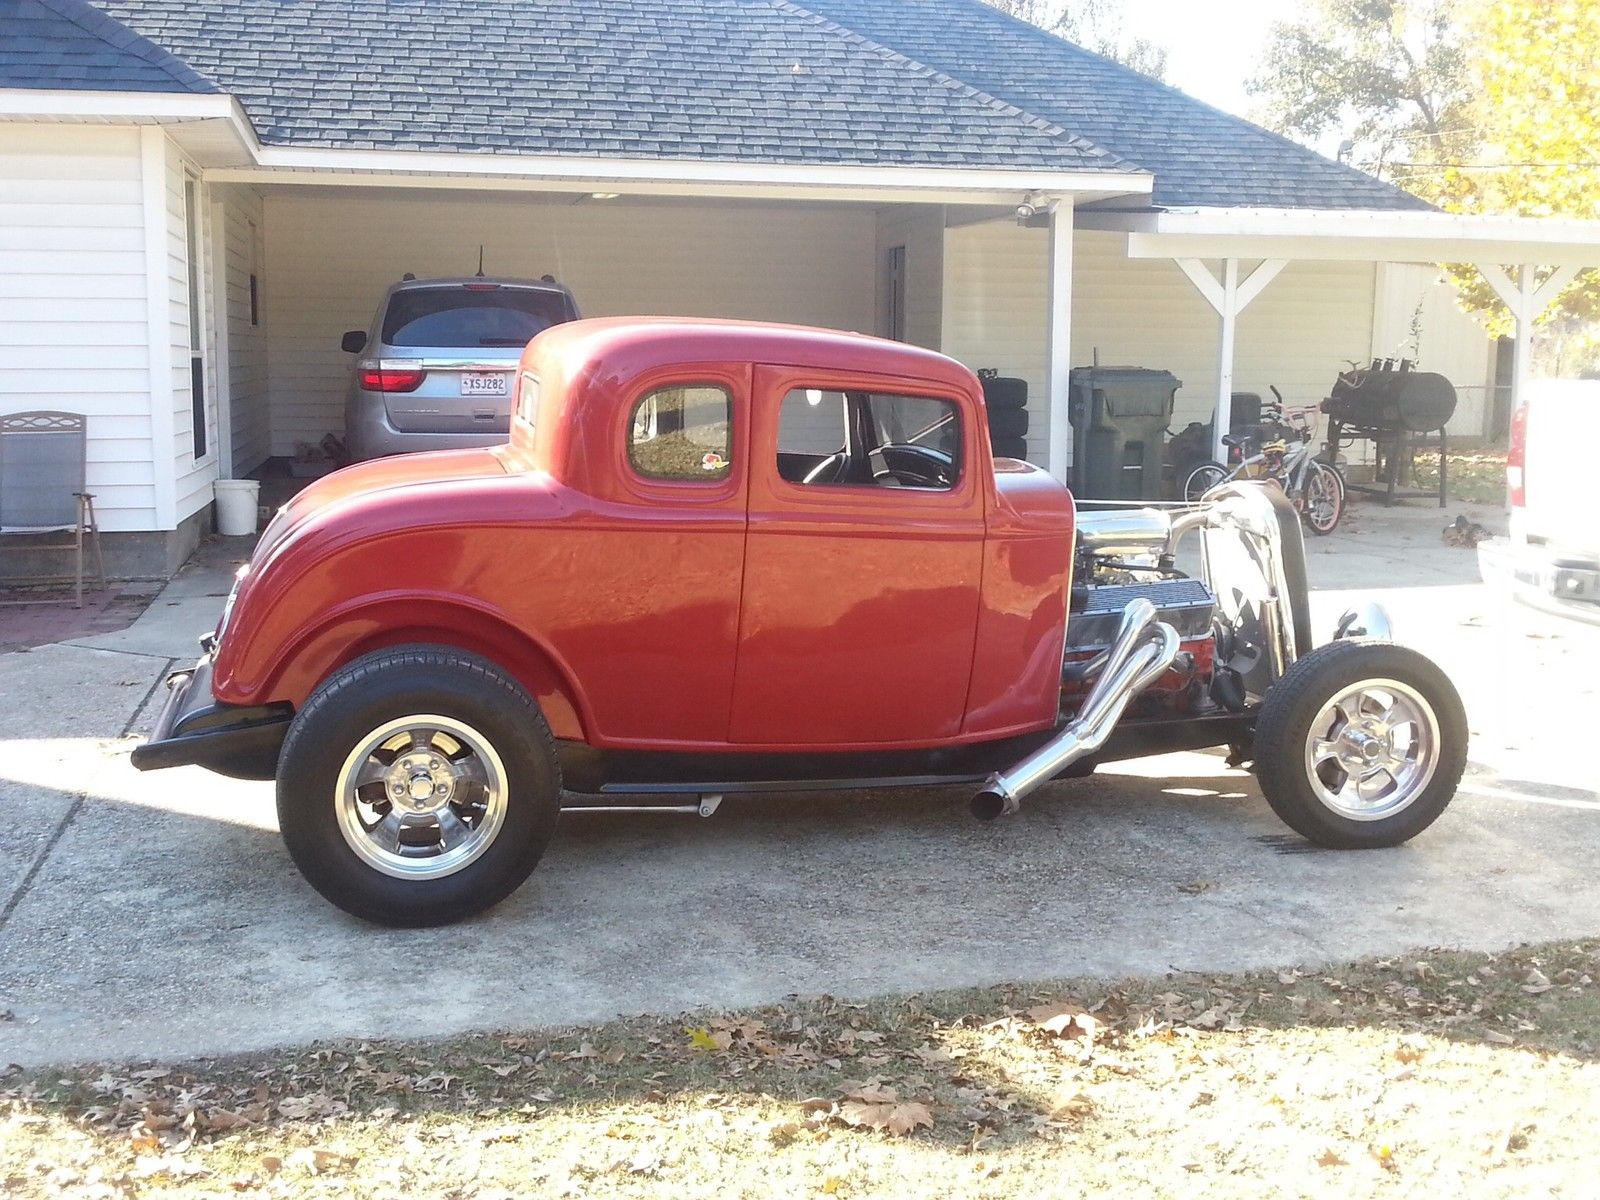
point(158, 915)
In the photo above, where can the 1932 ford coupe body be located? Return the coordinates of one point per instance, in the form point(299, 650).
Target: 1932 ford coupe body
point(719, 557)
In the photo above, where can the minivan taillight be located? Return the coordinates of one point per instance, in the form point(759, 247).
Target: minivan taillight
point(1517, 457)
point(393, 379)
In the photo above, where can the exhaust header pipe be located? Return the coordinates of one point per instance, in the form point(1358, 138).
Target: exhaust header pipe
point(1143, 651)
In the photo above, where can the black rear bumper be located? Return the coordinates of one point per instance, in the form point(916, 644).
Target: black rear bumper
point(195, 729)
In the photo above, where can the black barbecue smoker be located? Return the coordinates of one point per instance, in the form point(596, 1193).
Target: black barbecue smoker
point(1396, 407)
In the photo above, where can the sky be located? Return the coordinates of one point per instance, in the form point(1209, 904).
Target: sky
point(1213, 46)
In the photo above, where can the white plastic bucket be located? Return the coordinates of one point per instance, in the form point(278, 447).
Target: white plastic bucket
point(236, 506)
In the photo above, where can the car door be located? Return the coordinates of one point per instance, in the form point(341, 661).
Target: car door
point(861, 590)
point(648, 618)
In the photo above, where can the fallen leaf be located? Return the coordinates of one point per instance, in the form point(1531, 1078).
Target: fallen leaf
point(320, 1162)
point(1410, 1050)
point(1329, 1159)
point(870, 1092)
point(700, 1038)
point(895, 1118)
point(1065, 1019)
point(1073, 1109)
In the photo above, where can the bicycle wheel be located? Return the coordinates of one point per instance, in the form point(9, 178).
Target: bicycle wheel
point(1202, 479)
point(1323, 497)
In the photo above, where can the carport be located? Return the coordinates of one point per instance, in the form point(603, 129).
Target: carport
point(316, 250)
point(1526, 262)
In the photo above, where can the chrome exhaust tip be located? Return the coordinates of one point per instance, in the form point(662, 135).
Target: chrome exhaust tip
point(995, 800)
point(1143, 651)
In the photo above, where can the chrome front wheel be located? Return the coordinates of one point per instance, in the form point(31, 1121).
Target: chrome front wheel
point(421, 797)
point(1372, 749)
point(1360, 744)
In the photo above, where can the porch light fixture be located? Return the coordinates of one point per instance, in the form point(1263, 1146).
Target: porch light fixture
point(1032, 205)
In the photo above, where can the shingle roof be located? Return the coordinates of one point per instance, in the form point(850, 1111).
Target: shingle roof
point(685, 79)
point(69, 45)
point(886, 82)
point(1200, 155)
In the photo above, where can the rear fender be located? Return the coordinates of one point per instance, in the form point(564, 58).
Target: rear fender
point(432, 622)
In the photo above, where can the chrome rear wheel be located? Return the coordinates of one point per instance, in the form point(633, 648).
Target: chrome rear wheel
point(421, 797)
point(418, 785)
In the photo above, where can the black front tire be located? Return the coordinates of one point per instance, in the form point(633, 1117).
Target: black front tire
point(1289, 718)
point(385, 687)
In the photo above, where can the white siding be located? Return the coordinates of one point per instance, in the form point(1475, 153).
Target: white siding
point(72, 300)
point(1302, 330)
point(920, 229)
point(1417, 317)
point(243, 240)
point(330, 257)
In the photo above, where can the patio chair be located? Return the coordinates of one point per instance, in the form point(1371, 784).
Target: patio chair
point(43, 458)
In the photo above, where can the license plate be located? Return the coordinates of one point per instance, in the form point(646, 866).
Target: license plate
point(484, 383)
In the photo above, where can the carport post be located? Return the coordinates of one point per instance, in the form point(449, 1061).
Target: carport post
point(1526, 301)
point(1058, 339)
point(1230, 298)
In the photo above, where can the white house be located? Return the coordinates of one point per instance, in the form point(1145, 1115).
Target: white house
point(198, 196)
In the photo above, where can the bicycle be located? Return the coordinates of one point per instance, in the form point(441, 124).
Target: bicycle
point(1280, 452)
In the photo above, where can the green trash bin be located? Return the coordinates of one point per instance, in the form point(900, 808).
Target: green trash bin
point(1119, 421)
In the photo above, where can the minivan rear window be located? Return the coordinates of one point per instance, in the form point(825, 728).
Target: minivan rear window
point(462, 316)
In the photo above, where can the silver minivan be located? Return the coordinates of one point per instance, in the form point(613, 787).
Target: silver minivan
point(435, 371)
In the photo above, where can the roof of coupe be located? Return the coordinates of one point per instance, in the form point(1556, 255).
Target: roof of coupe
point(609, 344)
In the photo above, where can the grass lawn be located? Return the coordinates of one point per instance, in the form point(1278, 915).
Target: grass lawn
point(1475, 477)
point(1433, 1073)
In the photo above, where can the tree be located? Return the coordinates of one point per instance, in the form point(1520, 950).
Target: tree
point(1476, 105)
point(1388, 74)
point(1095, 25)
point(1536, 108)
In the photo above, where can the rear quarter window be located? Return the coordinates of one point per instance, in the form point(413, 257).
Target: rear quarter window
point(458, 316)
point(682, 433)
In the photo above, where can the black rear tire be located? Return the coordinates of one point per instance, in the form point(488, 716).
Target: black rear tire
point(390, 686)
point(1290, 720)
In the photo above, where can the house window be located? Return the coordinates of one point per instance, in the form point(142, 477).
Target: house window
point(828, 438)
point(255, 273)
point(894, 286)
point(197, 363)
point(682, 433)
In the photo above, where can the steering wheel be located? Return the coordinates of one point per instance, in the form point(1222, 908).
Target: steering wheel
point(908, 465)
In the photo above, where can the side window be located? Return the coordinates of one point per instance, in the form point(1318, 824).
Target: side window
point(682, 433)
point(528, 398)
point(869, 439)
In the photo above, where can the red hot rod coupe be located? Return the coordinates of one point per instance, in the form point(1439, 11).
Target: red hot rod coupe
point(719, 557)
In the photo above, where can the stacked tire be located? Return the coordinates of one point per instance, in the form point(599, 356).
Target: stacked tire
point(1006, 400)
